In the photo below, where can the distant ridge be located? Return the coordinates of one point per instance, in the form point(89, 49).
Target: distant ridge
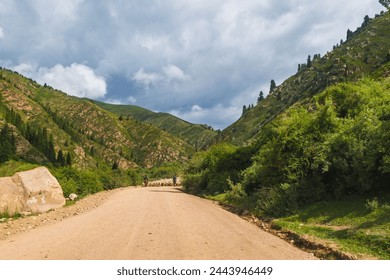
point(197, 135)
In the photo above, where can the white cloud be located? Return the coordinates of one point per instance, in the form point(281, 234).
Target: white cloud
point(76, 79)
point(167, 75)
point(172, 72)
point(25, 69)
point(217, 116)
point(132, 99)
point(113, 101)
point(1, 32)
point(146, 79)
point(196, 108)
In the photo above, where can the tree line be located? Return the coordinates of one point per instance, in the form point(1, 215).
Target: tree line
point(37, 136)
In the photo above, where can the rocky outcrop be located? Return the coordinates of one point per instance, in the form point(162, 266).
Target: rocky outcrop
point(33, 191)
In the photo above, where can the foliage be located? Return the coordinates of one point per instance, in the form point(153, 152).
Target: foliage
point(338, 144)
point(209, 171)
point(7, 144)
point(37, 135)
point(9, 168)
point(166, 170)
point(84, 182)
point(385, 3)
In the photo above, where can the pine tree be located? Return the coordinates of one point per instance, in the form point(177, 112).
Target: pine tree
point(50, 152)
point(7, 144)
point(366, 21)
point(244, 109)
point(68, 159)
point(60, 158)
point(385, 3)
point(308, 62)
point(261, 97)
point(272, 86)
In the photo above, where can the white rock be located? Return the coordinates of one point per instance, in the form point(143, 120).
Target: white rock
point(33, 191)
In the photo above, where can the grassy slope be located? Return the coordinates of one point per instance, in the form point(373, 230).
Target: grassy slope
point(363, 54)
point(128, 142)
point(196, 135)
point(358, 225)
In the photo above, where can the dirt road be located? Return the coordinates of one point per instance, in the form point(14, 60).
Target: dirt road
point(150, 223)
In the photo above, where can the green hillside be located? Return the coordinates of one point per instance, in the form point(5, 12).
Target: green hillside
point(198, 136)
point(316, 159)
point(365, 53)
point(90, 134)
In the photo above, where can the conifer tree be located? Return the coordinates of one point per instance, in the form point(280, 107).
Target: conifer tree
point(50, 152)
point(7, 144)
point(308, 62)
point(261, 97)
point(366, 20)
point(244, 109)
point(385, 3)
point(68, 159)
point(60, 158)
point(272, 86)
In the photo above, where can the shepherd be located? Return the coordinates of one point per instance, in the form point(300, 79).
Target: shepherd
point(146, 181)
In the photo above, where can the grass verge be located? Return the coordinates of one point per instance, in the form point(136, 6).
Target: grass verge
point(358, 226)
point(9, 168)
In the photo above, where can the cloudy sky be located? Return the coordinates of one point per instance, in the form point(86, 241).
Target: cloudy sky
point(201, 60)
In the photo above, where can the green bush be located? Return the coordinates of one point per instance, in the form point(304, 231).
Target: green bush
point(208, 172)
point(194, 183)
point(166, 170)
point(336, 145)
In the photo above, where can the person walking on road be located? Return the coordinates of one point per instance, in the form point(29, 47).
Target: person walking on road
point(146, 180)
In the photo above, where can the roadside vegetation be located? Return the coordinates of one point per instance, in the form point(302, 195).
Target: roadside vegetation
point(88, 181)
point(332, 146)
point(354, 224)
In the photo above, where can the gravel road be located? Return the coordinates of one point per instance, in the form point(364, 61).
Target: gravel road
point(141, 223)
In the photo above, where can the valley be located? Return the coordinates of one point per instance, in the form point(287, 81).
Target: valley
point(311, 158)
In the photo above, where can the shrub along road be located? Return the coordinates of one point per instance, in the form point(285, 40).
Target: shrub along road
point(147, 223)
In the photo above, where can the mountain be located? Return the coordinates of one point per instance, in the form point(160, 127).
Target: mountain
point(197, 135)
point(366, 52)
point(46, 121)
point(322, 134)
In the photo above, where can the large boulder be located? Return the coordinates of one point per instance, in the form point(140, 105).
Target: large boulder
point(12, 198)
point(34, 191)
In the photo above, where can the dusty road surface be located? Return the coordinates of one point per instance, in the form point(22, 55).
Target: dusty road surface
point(150, 223)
